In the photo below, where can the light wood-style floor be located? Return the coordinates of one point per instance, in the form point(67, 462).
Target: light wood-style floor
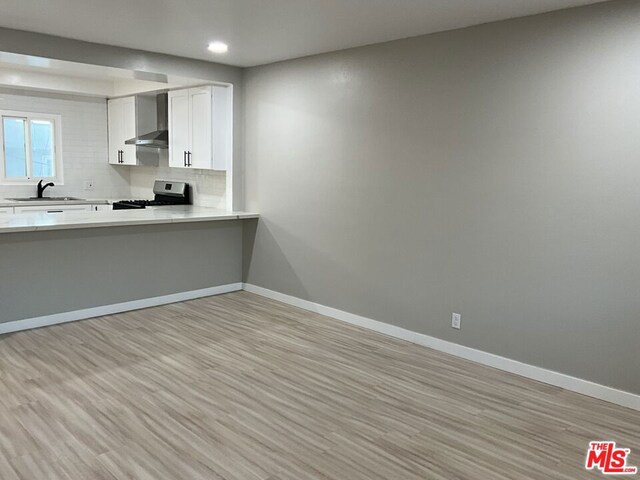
point(241, 387)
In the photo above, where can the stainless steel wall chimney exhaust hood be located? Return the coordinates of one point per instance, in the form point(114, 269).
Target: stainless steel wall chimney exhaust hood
point(158, 138)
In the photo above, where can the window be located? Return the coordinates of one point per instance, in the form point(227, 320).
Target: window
point(31, 148)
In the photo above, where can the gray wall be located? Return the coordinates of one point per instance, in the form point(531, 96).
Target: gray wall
point(50, 272)
point(28, 43)
point(491, 171)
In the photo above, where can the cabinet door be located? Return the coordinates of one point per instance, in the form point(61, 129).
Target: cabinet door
point(115, 119)
point(6, 211)
point(128, 130)
point(53, 209)
point(178, 128)
point(101, 207)
point(201, 127)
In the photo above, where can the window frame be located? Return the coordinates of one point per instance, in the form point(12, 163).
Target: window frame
point(56, 120)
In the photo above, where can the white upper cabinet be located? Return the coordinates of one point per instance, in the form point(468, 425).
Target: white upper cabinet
point(122, 127)
point(200, 128)
point(131, 117)
point(179, 119)
point(201, 150)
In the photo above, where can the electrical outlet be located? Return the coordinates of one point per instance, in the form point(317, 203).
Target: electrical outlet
point(456, 318)
point(88, 185)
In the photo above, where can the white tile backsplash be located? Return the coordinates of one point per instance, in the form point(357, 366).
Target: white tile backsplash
point(85, 151)
point(84, 145)
point(208, 188)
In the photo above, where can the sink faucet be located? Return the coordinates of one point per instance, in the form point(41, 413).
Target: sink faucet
point(41, 188)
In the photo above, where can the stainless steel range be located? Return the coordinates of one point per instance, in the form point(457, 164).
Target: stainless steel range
point(166, 193)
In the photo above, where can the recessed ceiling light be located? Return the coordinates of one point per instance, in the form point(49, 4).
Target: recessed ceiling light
point(218, 47)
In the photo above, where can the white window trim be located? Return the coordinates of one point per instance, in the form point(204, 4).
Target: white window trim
point(57, 127)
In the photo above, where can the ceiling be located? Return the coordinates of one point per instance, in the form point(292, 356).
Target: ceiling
point(57, 76)
point(257, 31)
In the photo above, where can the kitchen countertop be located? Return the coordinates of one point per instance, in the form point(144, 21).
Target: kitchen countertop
point(30, 222)
point(6, 202)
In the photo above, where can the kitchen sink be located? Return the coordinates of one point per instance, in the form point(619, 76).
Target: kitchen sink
point(45, 199)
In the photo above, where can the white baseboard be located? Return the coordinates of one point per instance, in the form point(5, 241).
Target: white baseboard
point(65, 317)
point(550, 377)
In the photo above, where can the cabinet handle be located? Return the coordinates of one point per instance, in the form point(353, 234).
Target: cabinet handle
point(188, 159)
point(184, 158)
point(54, 211)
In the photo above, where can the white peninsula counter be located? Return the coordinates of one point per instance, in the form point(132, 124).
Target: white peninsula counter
point(30, 222)
point(80, 264)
